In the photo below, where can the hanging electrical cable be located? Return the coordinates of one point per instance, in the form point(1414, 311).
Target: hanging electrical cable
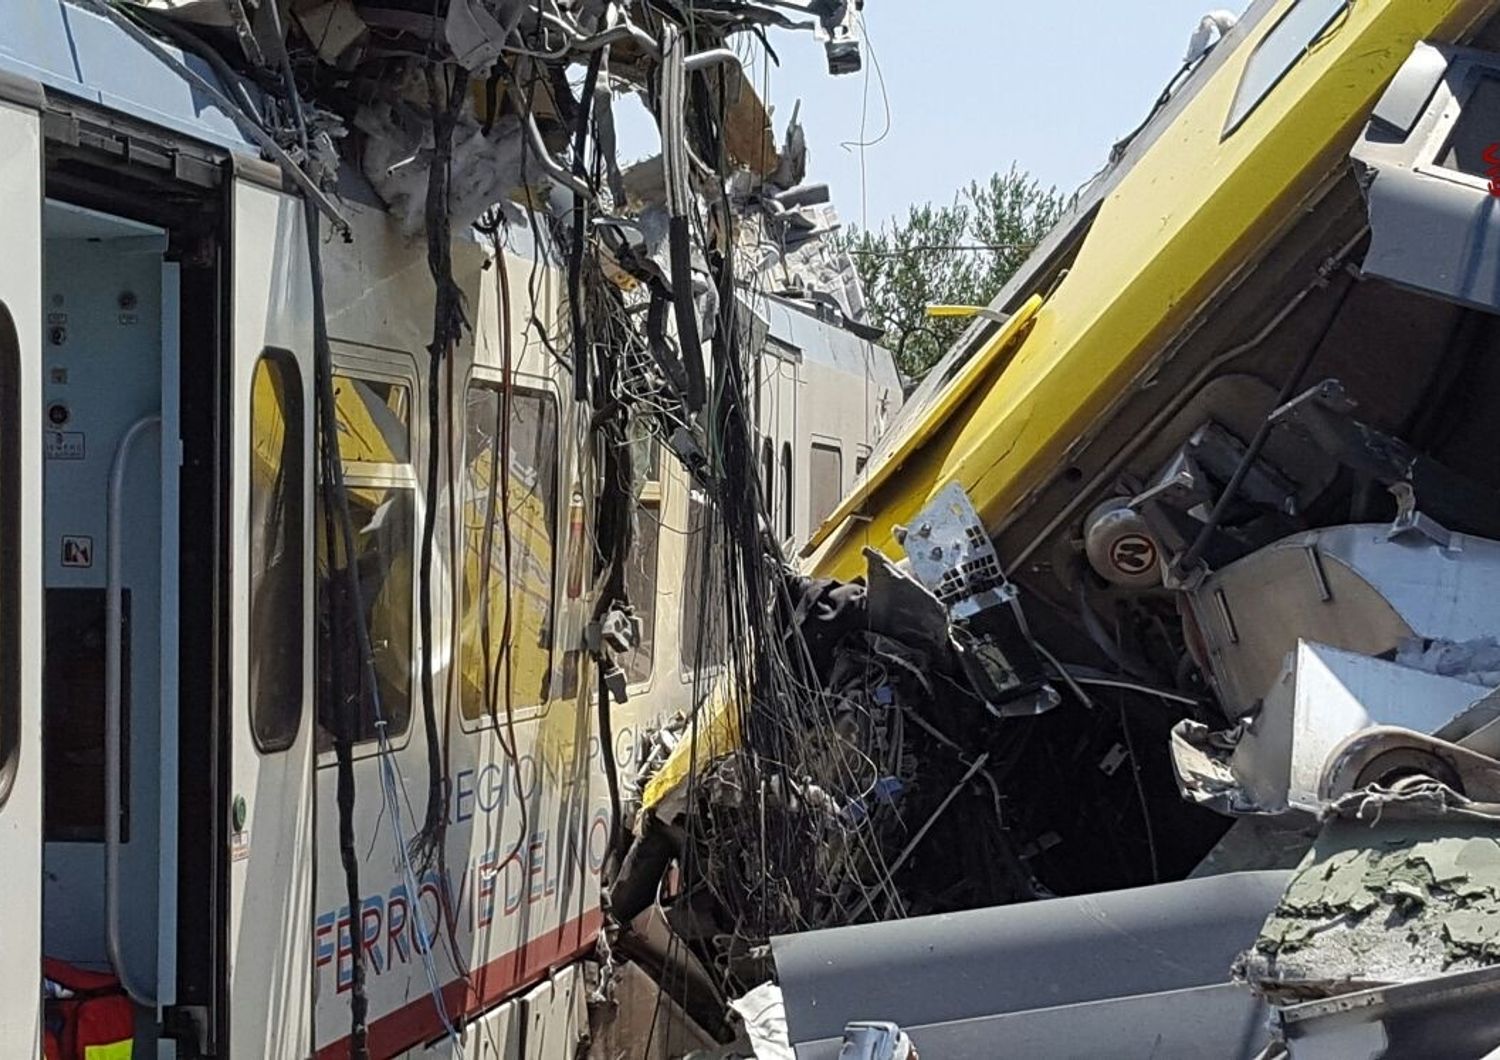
point(351, 681)
point(447, 328)
point(338, 541)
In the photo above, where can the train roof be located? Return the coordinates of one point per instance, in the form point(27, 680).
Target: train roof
point(822, 341)
point(1040, 269)
point(81, 54)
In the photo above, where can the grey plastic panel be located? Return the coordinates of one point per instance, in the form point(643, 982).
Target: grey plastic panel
point(1433, 228)
point(1413, 86)
point(1019, 958)
point(1226, 1022)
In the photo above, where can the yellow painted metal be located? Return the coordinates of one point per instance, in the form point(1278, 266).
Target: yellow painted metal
point(982, 367)
point(1195, 207)
point(941, 312)
point(717, 734)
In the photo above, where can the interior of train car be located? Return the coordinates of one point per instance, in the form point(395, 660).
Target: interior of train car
point(133, 575)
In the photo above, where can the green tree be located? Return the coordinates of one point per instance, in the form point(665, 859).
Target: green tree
point(960, 254)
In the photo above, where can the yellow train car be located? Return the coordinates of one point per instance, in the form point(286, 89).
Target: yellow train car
point(1210, 503)
point(1177, 254)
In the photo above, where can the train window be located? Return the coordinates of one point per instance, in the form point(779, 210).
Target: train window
point(701, 646)
point(381, 493)
point(640, 583)
point(787, 496)
point(653, 461)
point(276, 553)
point(1476, 132)
point(825, 479)
point(374, 420)
point(768, 474)
point(1304, 24)
point(509, 548)
point(641, 571)
point(10, 549)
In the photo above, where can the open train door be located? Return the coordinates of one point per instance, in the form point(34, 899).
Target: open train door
point(270, 790)
point(20, 567)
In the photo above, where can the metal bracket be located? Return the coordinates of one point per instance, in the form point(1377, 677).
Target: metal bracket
point(1411, 523)
point(950, 552)
point(952, 556)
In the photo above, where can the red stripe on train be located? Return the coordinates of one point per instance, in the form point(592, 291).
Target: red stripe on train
point(417, 1021)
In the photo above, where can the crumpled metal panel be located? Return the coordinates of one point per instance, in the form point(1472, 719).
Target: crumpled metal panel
point(1359, 588)
point(1020, 958)
point(1275, 758)
point(1441, 1018)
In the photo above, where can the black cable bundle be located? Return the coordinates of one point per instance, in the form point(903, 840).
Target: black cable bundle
point(346, 615)
point(447, 327)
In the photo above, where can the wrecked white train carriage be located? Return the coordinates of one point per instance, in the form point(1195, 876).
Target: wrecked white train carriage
point(1207, 529)
point(162, 519)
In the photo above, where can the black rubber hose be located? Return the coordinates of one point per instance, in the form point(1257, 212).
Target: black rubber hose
point(645, 862)
point(687, 315)
point(656, 339)
point(447, 326)
point(337, 530)
point(611, 772)
point(339, 534)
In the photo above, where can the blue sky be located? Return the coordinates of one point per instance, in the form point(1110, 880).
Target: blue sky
point(974, 85)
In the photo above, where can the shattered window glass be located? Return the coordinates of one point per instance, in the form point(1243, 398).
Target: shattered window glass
point(509, 531)
point(702, 635)
point(374, 420)
point(383, 519)
point(787, 496)
point(640, 584)
point(768, 474)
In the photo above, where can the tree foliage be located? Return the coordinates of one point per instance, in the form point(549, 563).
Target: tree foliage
point(960, 254)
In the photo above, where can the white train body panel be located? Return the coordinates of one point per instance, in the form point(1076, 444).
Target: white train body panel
point(234, 917)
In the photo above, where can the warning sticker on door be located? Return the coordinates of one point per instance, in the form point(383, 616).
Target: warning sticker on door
point(77, 551)
point(239, 845)
point(63, 445)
